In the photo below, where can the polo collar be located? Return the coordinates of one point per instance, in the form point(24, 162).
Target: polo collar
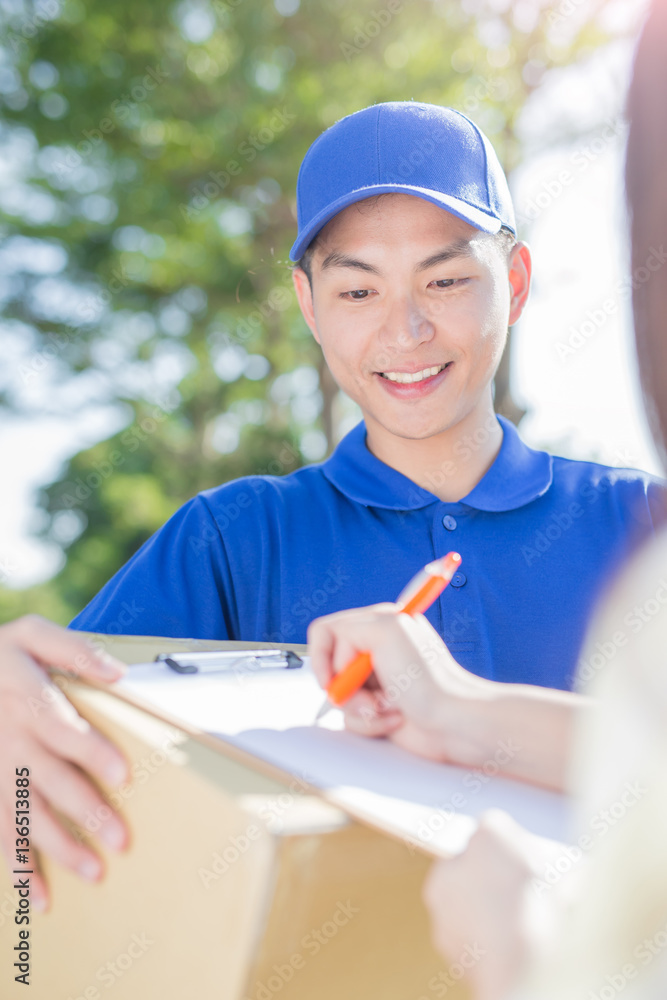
point(518, 475)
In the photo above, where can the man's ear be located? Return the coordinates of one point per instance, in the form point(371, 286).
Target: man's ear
point(521, 268)
point(304, 296)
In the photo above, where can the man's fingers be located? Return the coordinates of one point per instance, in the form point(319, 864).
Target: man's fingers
point(53, 646)
point(43, 711)
point(39, 892)
point(69, 792)
point(7, 834)
point(50, 836)
point(70, 737)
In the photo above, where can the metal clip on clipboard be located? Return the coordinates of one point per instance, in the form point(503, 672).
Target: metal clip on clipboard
point(222, 661)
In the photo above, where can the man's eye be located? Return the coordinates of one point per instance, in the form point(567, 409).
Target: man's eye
point(445, 282)
point(357, 294)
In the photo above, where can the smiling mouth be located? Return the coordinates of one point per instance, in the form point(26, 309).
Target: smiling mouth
point(409, 377)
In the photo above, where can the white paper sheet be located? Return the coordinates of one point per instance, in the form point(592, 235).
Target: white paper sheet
point(270, 713)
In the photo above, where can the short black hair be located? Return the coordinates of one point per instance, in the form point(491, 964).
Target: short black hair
point(505, 238)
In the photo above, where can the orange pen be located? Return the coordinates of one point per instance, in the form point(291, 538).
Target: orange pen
point(414, 599)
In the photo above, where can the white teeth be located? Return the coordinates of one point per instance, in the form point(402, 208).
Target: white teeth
point(416, 377)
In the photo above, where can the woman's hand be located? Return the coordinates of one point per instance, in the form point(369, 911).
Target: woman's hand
point(420, 698)
point(487, 916)
point(417, 693)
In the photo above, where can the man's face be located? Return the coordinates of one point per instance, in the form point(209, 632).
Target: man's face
point(402, 288)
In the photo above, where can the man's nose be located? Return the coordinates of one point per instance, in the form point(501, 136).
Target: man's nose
point(406, 326)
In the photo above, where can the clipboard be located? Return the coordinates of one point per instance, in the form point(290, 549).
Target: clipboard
point(239, 884)
point(225, 661)
point(251, 879)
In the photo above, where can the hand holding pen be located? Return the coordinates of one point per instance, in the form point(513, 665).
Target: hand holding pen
point(420, 690)
point(415, 598)
point(422, 700)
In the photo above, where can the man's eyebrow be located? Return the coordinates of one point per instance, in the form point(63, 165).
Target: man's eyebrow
point(338, 259)
point(460, 248)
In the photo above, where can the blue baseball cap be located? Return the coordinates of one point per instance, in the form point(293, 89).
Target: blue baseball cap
point(426, 150)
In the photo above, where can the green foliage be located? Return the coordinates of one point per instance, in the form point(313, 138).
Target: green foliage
point(156, 151)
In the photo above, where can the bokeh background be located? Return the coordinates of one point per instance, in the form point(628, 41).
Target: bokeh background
point(150, 342)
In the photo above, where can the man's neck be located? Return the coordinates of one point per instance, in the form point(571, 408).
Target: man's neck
point(451, 463)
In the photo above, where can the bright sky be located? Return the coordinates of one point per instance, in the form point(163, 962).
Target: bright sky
point(574, 357)
point(575, 367)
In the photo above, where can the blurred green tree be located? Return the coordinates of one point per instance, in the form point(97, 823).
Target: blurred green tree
point(147, 211)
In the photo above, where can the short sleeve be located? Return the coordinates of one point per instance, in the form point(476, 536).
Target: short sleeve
point(177, 584)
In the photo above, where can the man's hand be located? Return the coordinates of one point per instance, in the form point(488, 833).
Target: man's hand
point(40, 730)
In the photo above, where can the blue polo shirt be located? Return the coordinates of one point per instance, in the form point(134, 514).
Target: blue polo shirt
point(258, 558)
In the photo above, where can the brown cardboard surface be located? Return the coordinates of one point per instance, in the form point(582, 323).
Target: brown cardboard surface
point(347, 921)
point(152, 928)
point(211, 900)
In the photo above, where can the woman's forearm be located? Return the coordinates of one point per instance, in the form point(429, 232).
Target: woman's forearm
point(517, 730)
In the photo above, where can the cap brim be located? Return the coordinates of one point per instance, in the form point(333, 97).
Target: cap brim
point(476, 217)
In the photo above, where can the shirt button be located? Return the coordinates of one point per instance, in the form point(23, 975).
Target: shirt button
point(449, 522)
point(458, 580)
